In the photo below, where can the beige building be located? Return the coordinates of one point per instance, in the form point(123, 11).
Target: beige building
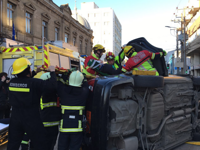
point(36, 18)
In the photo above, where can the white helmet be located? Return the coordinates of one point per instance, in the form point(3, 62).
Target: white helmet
point(45, 76)
point(76, 78)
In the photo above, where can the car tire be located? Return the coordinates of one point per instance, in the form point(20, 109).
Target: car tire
point(148, 81)
point(196, 81)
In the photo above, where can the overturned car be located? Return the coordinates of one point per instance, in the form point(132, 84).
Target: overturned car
point(143, 112)
point(130, 112)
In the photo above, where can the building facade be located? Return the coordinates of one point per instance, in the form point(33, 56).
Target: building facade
point(105, 25)
point(34, 19)
point(174, 63)
point(193, 30)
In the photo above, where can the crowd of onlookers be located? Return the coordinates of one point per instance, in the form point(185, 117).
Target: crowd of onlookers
point(4, 100)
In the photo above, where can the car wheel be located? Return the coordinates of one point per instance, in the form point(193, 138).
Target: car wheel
point(148, 81)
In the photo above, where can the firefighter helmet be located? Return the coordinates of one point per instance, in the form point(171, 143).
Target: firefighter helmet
point(128, 50)
point(123, 46)
point(45, 76)
point(99, 47)
point(110, 56)
point(20, 65)
point(76, 78)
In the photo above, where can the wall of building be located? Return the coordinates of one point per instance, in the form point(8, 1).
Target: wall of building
point(53, 15)
point(193, 31)
point(105, 25)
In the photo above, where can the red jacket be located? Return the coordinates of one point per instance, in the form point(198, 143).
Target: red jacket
point(88, 69)
point(139, 58)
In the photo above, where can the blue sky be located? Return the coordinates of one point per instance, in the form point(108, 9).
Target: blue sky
point(142, 18)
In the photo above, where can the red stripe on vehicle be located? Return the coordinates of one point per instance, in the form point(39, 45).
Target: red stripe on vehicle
point(11, 50)
point(25, 49)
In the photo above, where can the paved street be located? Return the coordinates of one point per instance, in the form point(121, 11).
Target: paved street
point(3, 147)
point(183, 147)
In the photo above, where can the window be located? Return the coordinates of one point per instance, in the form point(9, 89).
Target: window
point(96, 14)
point(80, 46)
point(56, 34)
point(106, 23)
point(28, 23)
point(86, 48)
point(74, 41)
point(96, 24)
point(44, 29)
point(106, 14)
point(66, 38)
point(10, 10)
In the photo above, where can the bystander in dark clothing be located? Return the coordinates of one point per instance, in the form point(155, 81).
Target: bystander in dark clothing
point(4, 103)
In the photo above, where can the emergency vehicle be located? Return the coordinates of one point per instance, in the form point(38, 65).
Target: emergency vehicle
point(39, 55)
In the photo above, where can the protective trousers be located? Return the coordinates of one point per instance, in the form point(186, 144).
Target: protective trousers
point(51, 136)
point(70, 141)
point(26, 121)
point(25, 142)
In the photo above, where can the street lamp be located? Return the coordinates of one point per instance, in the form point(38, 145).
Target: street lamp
point(176, 43)
point(170, 27)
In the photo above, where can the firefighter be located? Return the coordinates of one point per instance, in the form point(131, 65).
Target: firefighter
point(73, 100)
point(140, 60)
point(24, 95)
point(110, 57)
point(115, 61)
point(98, 52)
point(50, 113)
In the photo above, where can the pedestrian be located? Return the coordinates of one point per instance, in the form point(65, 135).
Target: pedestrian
point(73, 100)
point(4, 102)
point(24, 95)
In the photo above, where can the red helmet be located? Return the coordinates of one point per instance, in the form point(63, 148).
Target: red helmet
point(110, 56)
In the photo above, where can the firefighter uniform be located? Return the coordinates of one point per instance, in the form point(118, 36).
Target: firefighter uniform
point(140, 60)
point(25, 142)
point(118, 59)
point(86, 69)
point(103, 69)
point(73, 99)
point(50, 113)
point(96, 49)
point(24, 95)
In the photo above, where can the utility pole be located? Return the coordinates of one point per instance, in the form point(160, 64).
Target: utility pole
point(181, 44)
point(172, 63)
point(183, 41)
point(177, 51)
point(184, 47)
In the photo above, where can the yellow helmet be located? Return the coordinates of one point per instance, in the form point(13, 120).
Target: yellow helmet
point(20, 65)
point(128, 50)
point(99, 47)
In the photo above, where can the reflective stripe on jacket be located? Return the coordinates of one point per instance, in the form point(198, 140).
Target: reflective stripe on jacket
point(119, 59)
point(51, 124)
point(141, 61)
point(72, 121)
point(86, 69)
